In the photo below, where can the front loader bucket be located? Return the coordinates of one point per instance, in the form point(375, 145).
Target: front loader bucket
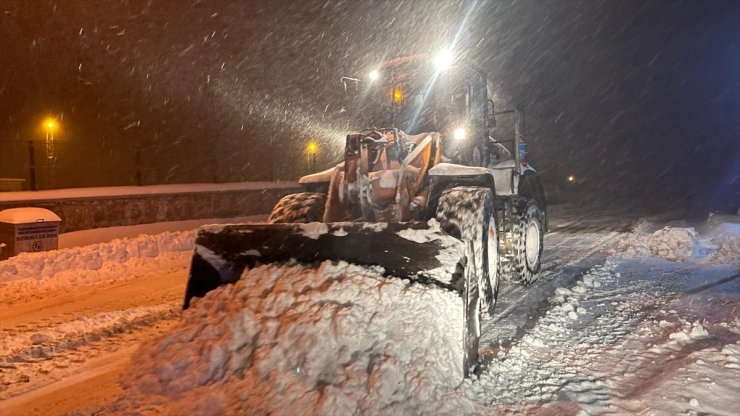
point(416, 251)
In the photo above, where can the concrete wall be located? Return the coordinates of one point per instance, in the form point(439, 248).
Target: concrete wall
point(98, 212)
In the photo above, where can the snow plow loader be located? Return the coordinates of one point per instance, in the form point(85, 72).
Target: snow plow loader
point(431, 197)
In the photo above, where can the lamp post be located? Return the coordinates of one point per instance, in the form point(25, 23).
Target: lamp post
point(32, 164)
point(49, 126)
point(311, 150)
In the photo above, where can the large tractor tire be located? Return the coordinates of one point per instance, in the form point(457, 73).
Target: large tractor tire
point(528, 225)
point(301, 207)
point(530, 186)
point(467, 213)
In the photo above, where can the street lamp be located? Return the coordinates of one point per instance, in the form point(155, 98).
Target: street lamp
point(311, 150)
point(50, 125)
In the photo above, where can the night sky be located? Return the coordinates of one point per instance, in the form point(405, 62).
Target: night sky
point(639, 100)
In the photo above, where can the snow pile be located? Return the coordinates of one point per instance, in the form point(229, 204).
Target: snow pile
point(723, 244)
point(719, 242)
point(108, 191)
point(49, 263)
point(670, 243)
point(675, 244)
point(289, 340)
point(677, 340)
point(725, 248)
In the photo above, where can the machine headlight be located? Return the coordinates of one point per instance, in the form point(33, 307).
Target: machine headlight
point(459, 133)
point(373, 75)
point(443, 60)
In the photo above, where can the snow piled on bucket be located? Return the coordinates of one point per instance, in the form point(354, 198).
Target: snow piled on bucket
point(289, 340)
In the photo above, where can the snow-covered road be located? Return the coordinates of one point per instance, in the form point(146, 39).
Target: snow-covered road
point(608, 328)
point(58, 339)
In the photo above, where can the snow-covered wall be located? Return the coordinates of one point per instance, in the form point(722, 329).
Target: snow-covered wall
point(89, 208)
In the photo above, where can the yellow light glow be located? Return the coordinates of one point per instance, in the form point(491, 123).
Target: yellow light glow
point(374, 74)
point(50, 124)
point(571, 178)
point(459, 133)
point(311, 148)
point(397, 95)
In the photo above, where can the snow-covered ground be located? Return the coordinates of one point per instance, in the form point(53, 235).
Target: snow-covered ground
point(627, 317)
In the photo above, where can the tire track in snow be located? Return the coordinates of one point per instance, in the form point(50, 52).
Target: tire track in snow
point(519, 308)
point(46, 339)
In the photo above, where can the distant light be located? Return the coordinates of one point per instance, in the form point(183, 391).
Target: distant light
point(443, 60)
point(459, 133)
point(571, 178)
point(311, 148)
point(397, 95)
point(374, 74)
point(50, 124)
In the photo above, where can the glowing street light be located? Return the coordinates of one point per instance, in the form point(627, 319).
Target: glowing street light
point(571, 178)
point(373, 75)
point(311, 149)
point(397, 95)
point(50, 125)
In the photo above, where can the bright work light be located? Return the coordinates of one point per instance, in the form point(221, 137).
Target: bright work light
point(443, 60)
point(459, 133)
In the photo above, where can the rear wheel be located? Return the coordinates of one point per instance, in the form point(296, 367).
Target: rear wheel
point(530, 187)
point(467, 213)
point(528, 232)
point(301, 207)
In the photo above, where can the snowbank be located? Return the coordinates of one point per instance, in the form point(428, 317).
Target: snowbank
point(287, 340)
point(676, 244)
point(49, 263)
point(75, 193)
point(106, 234)
point(719, 243)
point(724, 248)
point(723, 242)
